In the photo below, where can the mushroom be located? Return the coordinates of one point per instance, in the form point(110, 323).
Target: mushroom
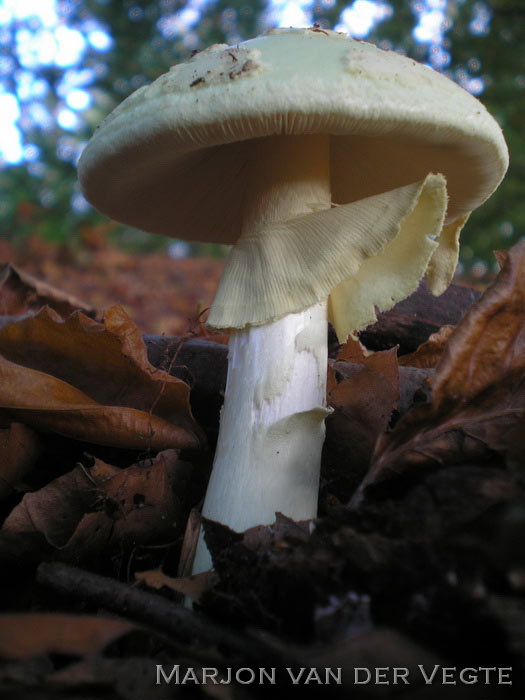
point(341, 174)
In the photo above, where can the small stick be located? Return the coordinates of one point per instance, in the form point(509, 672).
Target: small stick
point(184, 627)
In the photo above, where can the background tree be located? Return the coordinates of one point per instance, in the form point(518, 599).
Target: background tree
point(125, 43)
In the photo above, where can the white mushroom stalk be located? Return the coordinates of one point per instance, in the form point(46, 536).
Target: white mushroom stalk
point(271, 435)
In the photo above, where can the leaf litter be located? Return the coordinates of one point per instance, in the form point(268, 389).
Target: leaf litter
point(416, 557)
point(92, 381)
point(478, 390)
point(93, 511)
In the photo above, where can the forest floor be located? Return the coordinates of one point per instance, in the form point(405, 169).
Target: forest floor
point(163, 296)
point(411, 585)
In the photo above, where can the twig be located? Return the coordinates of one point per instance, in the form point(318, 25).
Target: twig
point(186, 628)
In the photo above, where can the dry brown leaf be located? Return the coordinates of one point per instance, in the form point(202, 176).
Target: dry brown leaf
point(264, 536)
point(19, 449)
point(353, 351)
point(191, 586)
point(478, 398)
point(430, 352)
point(220, 538)
point(490, 340)
point(21, 292)
point(363, 402)
point(93, 382)
point(23, 636)
point(87, 511)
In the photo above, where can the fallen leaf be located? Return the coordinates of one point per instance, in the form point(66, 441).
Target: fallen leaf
point(490, 341)
point(21, 292)
point(220, 538)
point(191, 586)
point(93, 382)
point(363, 401)
point(362, 409)
point(430, 352)
point(263, 536)
point(25, 635)
point(353, 351)
point(88, 511)
point(478, 398)
point(19, 449)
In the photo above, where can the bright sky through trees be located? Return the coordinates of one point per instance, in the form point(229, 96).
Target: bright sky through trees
point(42, 37)
point(45, 40)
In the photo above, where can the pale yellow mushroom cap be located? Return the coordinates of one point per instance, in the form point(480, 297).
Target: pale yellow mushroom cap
point(170, 158)
point(167, 160)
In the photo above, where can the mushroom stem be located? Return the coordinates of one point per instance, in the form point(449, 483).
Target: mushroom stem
point(272, 423)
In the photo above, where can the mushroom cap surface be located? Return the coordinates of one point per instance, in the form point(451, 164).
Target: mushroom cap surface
point(170, 159)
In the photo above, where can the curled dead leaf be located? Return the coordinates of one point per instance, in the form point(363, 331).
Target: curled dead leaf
point(88, 511)
point(430, 352)
point(353, 351)
point(21, 292)
point(478, 398)
point(363, 400)
point(191, 586)
point(19, 449)
point(220, 538)
point(93, 382)
point(490, 340)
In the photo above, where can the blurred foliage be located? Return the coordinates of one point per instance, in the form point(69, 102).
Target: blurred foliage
point(41, 195)
point(496, 57)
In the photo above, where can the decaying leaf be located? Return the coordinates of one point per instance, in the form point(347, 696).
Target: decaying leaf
point(363, 400)
point(19, 449)
point(430, 352)
point(489, 343)
point(88, 511)
point(191, 586)
point(21, 292)
point(92, 382)
point(353, 351)
point(478, 398)
point(25, 635)
point(220, 538)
